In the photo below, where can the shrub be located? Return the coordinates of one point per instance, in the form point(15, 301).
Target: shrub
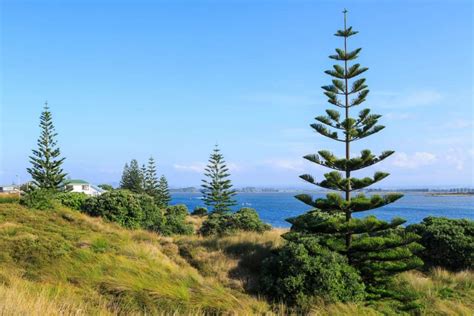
point(40, 199)
point(74, 200)
point(217, 224)
point(126, 208)
point(199, 211)
point(301, 273)
point(246, 219)
point(448, 243)
point(175, 221)
point(106, 187)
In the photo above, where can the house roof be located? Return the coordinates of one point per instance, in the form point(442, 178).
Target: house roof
point(75, 181)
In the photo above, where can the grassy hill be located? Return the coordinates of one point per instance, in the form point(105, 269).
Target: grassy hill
point(64, 262)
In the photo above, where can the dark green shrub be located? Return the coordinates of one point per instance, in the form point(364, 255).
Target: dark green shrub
point(448, 243)
point(247, 219)
point(118, 206)
point(73, 200)
point(218, 224)
point(40, 199)
point(199, 211)
point(300, 273)
point(175, 221)
point(106, 187)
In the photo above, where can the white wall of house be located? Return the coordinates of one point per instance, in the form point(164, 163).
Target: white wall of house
point(83, 188)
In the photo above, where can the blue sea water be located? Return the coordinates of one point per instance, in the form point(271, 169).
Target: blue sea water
point(274, 208)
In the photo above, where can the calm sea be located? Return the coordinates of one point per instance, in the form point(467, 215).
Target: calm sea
point(274, 208)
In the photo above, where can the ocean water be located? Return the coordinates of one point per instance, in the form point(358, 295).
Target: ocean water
point(274, 208)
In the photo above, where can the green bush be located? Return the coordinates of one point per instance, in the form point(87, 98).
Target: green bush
point(301, 273)
point(246, 219)
point(40, 199)
point(199, 211)
point(175, 221)
point(74, 200)
point(106, 187)
point(217, 224)
point(448, 243)
point(119, 206)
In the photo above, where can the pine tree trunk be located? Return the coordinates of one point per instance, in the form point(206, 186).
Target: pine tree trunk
point(348, 173)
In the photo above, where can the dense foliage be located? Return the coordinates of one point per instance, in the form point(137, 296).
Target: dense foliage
point(199, 211)
point(163, 195)
point(175, 221)
point(300, 273)
point(74, 200)
point(246, 219)
point(217, 188)
point(378, 249)
point(132, 177)
point(46, 164)
point(448, 243)
point(106, 187)
point(134, 210)
point(39, 199)
point(126, 208)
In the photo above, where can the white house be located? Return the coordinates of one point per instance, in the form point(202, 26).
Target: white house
point(82, 186)
point(10, 189)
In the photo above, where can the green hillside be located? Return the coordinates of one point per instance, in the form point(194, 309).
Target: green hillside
point(64, 261)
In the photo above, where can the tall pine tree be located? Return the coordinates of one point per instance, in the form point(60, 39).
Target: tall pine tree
point(151, 180)
point(125, 181)
point(45, 162)
point(163, 194)
point(217, 188)
point(377, 248)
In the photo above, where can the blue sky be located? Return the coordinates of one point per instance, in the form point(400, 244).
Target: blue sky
point(130, 79)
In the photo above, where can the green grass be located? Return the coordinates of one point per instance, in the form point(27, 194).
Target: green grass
point(64, 262)
point(102, 268)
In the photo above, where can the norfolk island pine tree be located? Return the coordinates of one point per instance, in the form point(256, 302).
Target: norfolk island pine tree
point(217, 188)
point(378, 249)
point(45, 162)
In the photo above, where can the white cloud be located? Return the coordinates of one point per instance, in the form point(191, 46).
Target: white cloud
point(194, 167)
point(198, 167)
point(415, 160)
point(459, 124)
point(399, 116)
point(281, 99)
point(408, 99)
point(459, 157)
point(286, 164)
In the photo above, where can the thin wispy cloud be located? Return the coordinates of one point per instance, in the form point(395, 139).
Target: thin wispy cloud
point(419, 98)
point(418, 159)
point(193, 167)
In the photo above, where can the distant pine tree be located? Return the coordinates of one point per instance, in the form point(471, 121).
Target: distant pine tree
point(46, 163)
point(143, 176)
point(163, 194)
point(377, 248)
point(151, 180)
point(132, 177)
point(217, 188)
point(125, 181)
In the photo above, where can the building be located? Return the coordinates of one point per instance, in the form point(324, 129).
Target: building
point(10, 189)
point(82, 186)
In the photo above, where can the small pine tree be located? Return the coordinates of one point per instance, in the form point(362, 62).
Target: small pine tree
point(46, 163)
point(163, 192)
point(151, 180)
point(217, 188)
point(377, 248)
point(125, 181)
point(132, 177)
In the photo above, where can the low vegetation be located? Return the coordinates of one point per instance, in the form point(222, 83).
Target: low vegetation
point(448, 243)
